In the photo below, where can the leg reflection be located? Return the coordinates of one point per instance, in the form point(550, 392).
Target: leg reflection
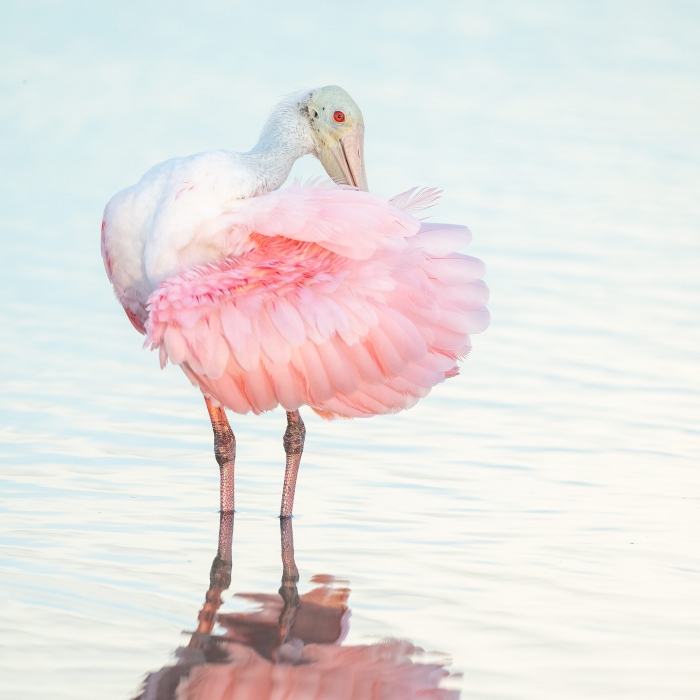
point(203, 648)
point(291, 647)
point(290, 577)
point(219, 581)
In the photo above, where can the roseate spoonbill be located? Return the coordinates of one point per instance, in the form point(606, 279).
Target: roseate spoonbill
point(324, 295)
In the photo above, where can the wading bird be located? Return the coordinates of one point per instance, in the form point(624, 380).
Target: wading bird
point(322, 295)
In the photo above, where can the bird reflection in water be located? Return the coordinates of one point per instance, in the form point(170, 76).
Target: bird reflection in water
point(290, 647)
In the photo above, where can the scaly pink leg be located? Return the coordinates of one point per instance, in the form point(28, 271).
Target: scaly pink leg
point(225, 451)
point(293, 446)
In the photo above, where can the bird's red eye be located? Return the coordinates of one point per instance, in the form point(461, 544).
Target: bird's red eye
point(339, 116)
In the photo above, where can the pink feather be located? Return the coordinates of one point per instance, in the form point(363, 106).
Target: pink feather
point(341, 300)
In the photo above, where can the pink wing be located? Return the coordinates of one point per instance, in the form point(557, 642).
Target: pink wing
point(344, 220)
point(357, 311)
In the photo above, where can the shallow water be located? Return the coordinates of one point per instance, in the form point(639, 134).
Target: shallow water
point(535, 518)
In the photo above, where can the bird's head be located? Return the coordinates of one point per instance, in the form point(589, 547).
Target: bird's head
point(338, 133)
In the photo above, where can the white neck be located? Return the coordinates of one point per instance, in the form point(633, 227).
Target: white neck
point(285, 138)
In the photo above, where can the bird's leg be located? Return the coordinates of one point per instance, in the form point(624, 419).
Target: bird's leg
point(225, 451)
point(293, 447)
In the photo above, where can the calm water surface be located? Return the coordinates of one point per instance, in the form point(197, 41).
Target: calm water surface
point(533, 524)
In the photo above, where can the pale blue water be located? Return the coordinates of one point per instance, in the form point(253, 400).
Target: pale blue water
point(536, 518)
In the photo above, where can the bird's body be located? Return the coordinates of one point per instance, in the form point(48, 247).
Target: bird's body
point(171, 221)
point(314, 295)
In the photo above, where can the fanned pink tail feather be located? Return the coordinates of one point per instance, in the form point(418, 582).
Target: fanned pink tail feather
point(359, 314)
point(416, 199)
